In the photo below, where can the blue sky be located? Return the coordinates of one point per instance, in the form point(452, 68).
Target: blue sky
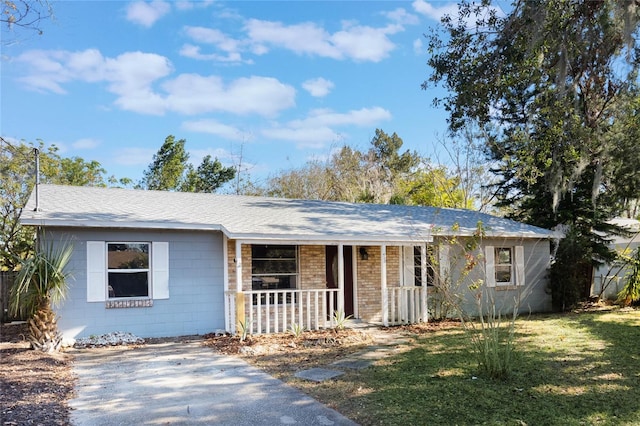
point(279, 82)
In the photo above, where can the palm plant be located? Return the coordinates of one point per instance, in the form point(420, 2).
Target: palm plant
point(340, 319)
point(40, 284)
point(631, 291)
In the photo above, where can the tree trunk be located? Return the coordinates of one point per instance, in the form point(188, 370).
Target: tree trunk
point(43, 330)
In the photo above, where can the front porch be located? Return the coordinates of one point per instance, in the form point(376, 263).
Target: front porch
point(381, 284)
point(278, 311)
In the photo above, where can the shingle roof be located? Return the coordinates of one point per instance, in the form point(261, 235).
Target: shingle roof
point(244, 217)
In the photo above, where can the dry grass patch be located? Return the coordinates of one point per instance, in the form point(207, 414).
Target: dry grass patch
point(282, 355)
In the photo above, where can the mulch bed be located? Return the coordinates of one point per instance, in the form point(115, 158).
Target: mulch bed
point(34, 386)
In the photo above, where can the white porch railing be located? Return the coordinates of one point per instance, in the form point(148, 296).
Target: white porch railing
point(407, 305)
point(274, 311)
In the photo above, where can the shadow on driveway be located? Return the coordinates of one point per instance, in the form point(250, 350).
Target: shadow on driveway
point(185, 383)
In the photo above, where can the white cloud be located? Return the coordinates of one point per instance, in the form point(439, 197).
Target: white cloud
point(352, 41)
point(132, 77)
point(360, 117)
point(193, 52)
point(316, 137)
point(401, 17)
point(190, 5)
point(317, 130)
point(47, 70)
point(231, 48)
point(435, 13)
point(318, 87)
point(129, 75)
point(418, 46)
point(215, 128)
point(363, 43)
point(193, 94)
point(359, 43)
point(213, 36)
point(86, 143)
point(300, 38)
point(146, 14)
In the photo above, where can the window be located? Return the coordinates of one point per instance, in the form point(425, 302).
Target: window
point(503, 265)
point(274, 268)
point(128, 269)
point(417, 269)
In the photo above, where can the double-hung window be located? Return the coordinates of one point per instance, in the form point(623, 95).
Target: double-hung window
point(133, 271)
point(504, 266)
point(128, 271)
point(274, 267)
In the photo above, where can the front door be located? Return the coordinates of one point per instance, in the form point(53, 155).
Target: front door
point(332, 276)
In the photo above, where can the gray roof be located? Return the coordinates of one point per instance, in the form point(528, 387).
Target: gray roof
point(259, 218)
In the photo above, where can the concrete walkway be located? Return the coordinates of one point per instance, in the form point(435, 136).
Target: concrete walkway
point(184, 384)
point(386, 343)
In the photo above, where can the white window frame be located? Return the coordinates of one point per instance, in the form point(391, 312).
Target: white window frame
point(516, 266)
point(97, 271)
point(504, 266)
point(148, 270)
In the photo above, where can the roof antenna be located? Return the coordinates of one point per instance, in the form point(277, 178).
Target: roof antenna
point(36, 153)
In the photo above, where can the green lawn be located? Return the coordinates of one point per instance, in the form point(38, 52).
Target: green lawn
point(572, 369)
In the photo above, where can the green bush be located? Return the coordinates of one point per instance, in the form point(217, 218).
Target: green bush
point(570, 273)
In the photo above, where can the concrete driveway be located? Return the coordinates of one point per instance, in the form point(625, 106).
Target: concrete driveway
point(185, 383)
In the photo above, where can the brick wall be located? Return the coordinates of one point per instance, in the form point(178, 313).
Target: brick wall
point(312, 260)
point(246, 265)
point(311, 276)
point(369, 287)
point(312, 267)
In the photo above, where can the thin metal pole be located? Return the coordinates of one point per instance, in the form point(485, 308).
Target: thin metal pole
point(36, 153)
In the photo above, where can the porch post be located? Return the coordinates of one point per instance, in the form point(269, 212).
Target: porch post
point(238, 266)
point(383, 285)
point(354, 262)
point(423, 279)
point(240, 315)
point(341, 279)
point(225, 280)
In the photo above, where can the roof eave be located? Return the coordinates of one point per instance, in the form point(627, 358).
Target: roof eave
point(327, 239)
point(363, 239)
point(60, 223)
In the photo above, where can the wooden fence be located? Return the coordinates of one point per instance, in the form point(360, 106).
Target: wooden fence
point(6, 281)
